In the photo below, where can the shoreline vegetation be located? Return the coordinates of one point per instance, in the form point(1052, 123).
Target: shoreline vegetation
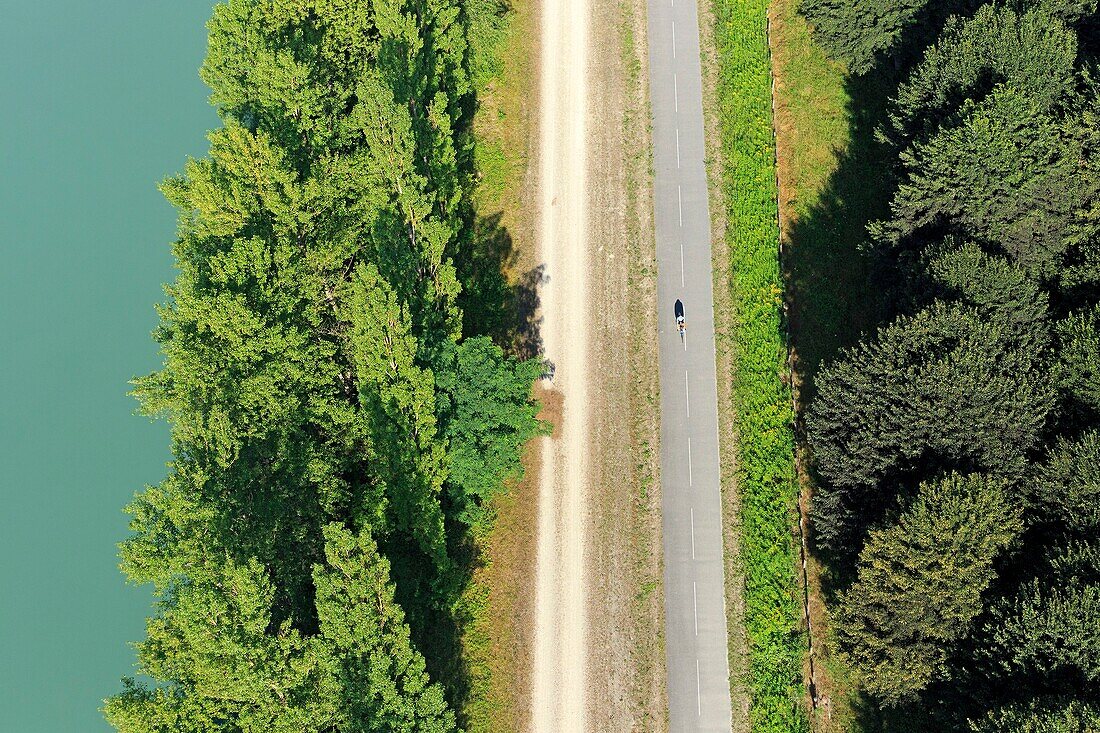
point(754, 334)
point(343, 415)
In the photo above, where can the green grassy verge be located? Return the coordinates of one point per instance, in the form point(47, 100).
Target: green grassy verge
point(649, 691)
point(831, 182)
point(492, 601)
point(765, 472)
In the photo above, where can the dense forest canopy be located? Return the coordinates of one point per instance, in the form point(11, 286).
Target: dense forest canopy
point(956, 448)
point(335, 433)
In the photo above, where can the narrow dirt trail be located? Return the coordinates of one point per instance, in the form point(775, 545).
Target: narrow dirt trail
point(560, 659)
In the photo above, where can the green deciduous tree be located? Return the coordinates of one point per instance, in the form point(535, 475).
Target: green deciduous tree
point(398, 398)
point(305, 341)
point(228, 668)
point(1082, 267)
point(224, 665)
point(921, 582)
point(240, 358)
point(409, 239)
point(490, 416)
point(382, 683)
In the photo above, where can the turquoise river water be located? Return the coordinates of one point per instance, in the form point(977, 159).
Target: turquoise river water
point(98, 102)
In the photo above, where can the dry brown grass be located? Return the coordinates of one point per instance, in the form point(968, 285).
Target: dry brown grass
point(626, 609)
point(497, 641)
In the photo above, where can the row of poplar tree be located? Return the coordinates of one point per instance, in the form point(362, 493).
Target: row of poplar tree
point(958, 447)
point(337, 430)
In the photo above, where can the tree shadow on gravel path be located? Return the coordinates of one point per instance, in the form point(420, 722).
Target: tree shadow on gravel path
point(494, 305)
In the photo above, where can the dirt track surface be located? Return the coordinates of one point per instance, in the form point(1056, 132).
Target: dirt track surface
point(560, 659)
point(597, 617)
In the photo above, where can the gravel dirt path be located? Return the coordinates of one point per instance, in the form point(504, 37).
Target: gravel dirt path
point(597, 616)
point(560, 659)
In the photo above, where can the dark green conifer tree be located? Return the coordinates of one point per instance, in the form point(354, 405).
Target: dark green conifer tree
point(941, 390)
point(991, 369)
point(1008, 177)
point(1078, 339)
point(1042, 715)
point(864, 33)
point(920, 584)
point(1046, 637)
point(1000, 291)
point(1067, 486)
point(1032, 53)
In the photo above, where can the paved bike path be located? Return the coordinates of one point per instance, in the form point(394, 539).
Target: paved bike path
point(695, 618)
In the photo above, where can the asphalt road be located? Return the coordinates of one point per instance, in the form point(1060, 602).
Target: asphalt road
point(695, 617)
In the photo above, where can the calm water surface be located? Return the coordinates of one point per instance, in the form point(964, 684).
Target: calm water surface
point(100, 100)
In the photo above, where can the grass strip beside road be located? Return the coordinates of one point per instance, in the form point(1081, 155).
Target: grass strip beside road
point(494, 606)
point(765, 471)
point(832, 181)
